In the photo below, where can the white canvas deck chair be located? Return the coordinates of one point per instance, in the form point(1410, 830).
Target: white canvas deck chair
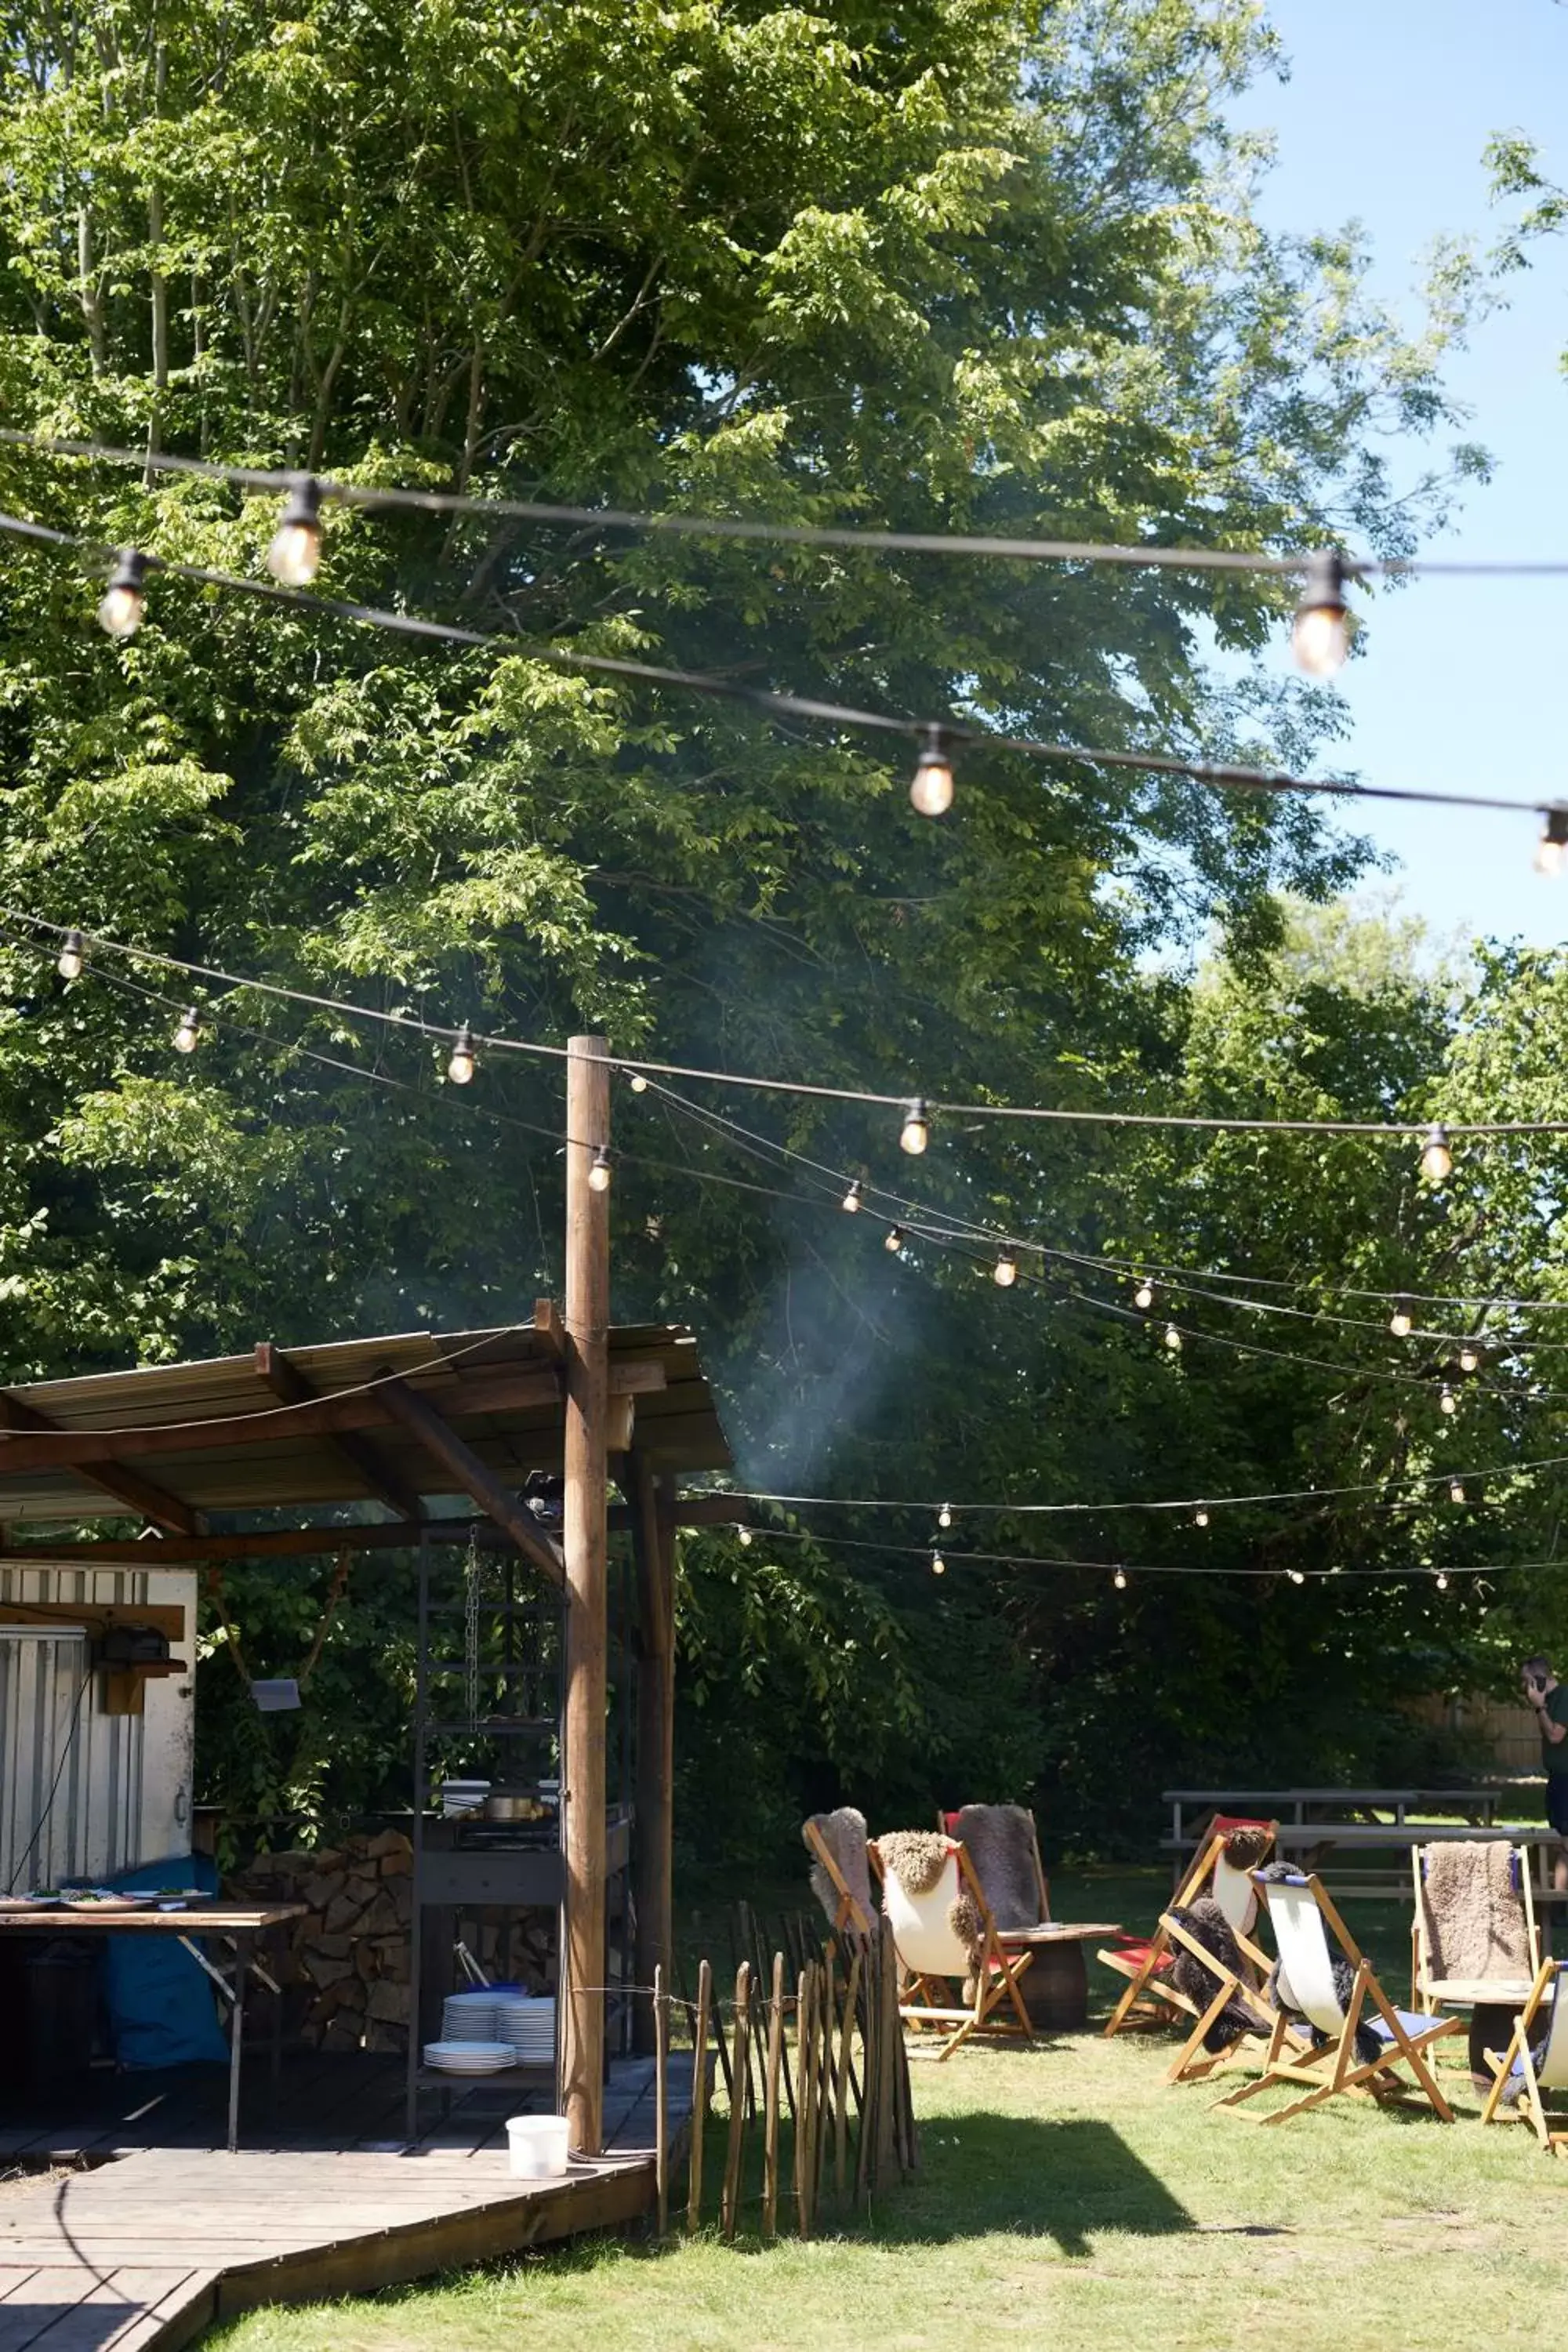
point(933, 1955)
point(1491, 1954)
point(1545, 2084)
point(1302, 1918)
point(1146, 1966)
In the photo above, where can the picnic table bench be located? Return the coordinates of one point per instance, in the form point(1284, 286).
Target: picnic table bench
point(1300, 1805)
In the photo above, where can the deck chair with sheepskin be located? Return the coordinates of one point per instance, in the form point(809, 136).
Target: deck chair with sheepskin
point(1533, 2070)
point(1363, 2037)
point(1474, 1937)
point(1234, 1848)
point(840, 1873)
point(942, 1932)
point(1003, 1844)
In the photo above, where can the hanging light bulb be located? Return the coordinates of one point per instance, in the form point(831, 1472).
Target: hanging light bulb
point(944, 1517)
point(1321, 636)
point(1436, 1159)
point(189, 1031)
point(1400, 1321)
point(745, 1536)
point(1201, 1516)
point(1297, 1576)
point(1455, 1490)
point(294, 557)
point(1172, 1340)
point(1442, 1581)
point(1469, 1356)
point(69, 961)
point(851, 1200)
point(1005, 1272)
point(460, 1068)
point(915, 1133)
point(599, 1173)
point(1120, 1579)
point(638, 1083)
point(1554, 842)
point(894, 1239)
point(124, 603)
point(938, 1565)
point(931, 790)
point(1144, 1295)
point(1446, 1401)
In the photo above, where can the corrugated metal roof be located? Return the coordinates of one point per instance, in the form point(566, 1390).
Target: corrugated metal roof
point(499, 1390)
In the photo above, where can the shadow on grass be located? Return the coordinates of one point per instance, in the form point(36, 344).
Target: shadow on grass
point(1031, 2176)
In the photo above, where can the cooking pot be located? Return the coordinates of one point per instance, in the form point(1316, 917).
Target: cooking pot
point(502, 1805)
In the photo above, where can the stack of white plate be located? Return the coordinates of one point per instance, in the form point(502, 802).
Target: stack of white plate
point(529, 2026)
point(470, 2017)
point(469, 2057)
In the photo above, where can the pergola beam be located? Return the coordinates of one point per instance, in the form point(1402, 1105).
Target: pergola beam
point(288, 1384)
point(441, 1441)
point(143, 1495)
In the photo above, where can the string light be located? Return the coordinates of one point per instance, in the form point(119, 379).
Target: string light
point(894, 1239)
point(851, 1200)
point(1400, 1321)
point(1297, 1576)
point(188, 1034)
point(1321, 636)
point(944, 1517)
point(1144, 1295)
point(1005, 1272)
point(915, 1133)
point(1469, 1356)
point(1120, 1579)
point(1172, 1340)
point(124, 602)
point(599, 1173)
point(1436, 1159)
point(638, 1083)
point(295, 554)
point(1447, 1402)
point(69, 961)
point(1201, 1516)
point(460, 1068)
point(1455, 1490)
point(1442, 1581)
point(938, 1565)
point(745, 1536)
point(931, 792)
point(1553, 841)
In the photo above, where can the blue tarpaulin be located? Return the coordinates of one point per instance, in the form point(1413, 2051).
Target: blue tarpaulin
point(160, 2006)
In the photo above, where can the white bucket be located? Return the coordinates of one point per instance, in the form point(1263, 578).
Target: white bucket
point(536, 2146)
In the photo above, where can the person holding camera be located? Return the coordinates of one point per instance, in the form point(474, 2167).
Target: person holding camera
point(1549, 1700)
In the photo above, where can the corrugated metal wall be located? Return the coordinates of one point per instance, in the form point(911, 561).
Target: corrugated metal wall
point(122, 1784)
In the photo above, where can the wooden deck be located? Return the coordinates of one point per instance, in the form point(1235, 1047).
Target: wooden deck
point(165, 2232)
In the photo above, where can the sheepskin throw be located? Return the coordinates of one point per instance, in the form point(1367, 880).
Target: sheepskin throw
point(917, 1858)
point(1000, 1844)
point(1248, 1848)
point(1208, 1925)
point(844, 1834)
point(1472, 1912)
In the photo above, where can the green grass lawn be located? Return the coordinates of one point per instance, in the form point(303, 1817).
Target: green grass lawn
point(1068, 2198)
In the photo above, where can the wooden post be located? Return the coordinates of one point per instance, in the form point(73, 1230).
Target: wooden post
point(653, 1541)
point(841, 2088)
point(700, 2090)
point(584, 1536)
point(740, 2079)
point(770, 2104)
point(661, 2100)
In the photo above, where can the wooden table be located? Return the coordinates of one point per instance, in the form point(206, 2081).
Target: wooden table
point(1055, 1985)
point(242, 1926)
point(1298, 1805)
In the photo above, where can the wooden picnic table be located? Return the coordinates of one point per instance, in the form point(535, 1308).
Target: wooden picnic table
point(241, 1924)
point(1298, 1805)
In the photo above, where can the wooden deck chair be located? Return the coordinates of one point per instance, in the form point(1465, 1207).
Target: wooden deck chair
point(1507, 1950)
point(1302, 1918)
point(932, 1955)
point(1192, 2062)
point(1537, 2084)
point(1146, 1965)
point(952, 1825)
point(848, 1912)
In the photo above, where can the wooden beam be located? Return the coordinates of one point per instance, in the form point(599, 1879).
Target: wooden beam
point(703, 1510)
point(288, 1384)
point(585, 1542)
point(550, 1329)
point(441, 1441)
point(149, 1500)
point(653, 1546)
point(264, 1543)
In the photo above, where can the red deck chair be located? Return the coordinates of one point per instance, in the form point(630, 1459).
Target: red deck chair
point(1146, 1963)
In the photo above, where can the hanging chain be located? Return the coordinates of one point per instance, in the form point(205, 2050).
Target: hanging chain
point(471, 1628)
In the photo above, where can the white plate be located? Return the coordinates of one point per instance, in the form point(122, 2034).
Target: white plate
point(498, 2052)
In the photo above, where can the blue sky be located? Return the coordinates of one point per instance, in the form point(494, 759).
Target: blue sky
point(1383, 120)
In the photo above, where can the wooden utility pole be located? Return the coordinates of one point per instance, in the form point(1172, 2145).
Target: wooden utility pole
point(585, 1536)
point(653, 1541)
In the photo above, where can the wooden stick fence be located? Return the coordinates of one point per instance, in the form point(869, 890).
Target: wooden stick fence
point(850, 2116)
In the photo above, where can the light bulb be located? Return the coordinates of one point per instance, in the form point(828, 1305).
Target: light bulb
point(1400, 1321)
point(938, 1565)
point(1442, 1581)
point(1172, 1340)
point(189, 1031)
point(69, 961)
point(1455, 1490)
point(931, 790)
point(124, 603)
point(1321, 636)
point(1554, 842)
point(1201, 1516)
point(1004, 1274)
point(1296, 1576)
point(1436, 1159)
point(1144, 1293)
point(915, 1133)
point(638, 1083)
point(1120, 1579)
point(460, 1068)
point(1469, 1358)
point(1446, 1401)
point(944, 1517)
point(599, 1173)
point(894, 1239)
point(851, 1200)
point(745, 1536)
point(295, 555)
